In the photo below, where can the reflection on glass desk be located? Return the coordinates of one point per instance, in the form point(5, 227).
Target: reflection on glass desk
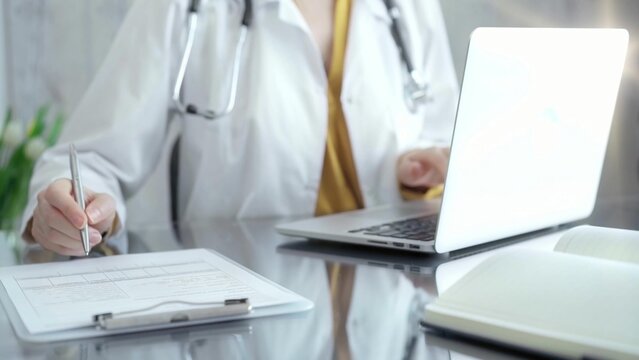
point(228, 341)
point(368, 302)
point(423, 265)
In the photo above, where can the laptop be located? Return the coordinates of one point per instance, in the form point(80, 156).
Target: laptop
point(355, 255)
point(530, 136)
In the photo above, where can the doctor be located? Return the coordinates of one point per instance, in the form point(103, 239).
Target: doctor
point(320, 121)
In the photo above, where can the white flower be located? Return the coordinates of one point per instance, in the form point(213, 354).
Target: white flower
point(35, 148)
point(13, 134)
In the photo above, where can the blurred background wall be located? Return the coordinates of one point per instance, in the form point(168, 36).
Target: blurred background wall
point(3, 67)
point(50, 50)
point(54, 47)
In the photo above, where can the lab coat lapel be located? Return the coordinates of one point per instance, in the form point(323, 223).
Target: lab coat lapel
point(290, 15)
point(377, 9)
point(369, 100)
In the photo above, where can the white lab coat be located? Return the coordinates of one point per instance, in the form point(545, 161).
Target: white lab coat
point(264, 159)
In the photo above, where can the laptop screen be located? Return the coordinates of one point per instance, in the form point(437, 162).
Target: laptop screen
point(532, 125)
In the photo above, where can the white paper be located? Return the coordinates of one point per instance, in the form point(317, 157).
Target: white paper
point(62, 296)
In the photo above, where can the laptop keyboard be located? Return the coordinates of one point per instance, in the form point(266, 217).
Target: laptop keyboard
point(421, 228)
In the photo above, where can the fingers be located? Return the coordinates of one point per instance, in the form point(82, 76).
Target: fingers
point(423, 168)
point(59, 195)
point(101, 211)
point(61, 243)
point(57, 218)
point(411, 172)
point(46, 216)
point(431, 157)
point(42, 238)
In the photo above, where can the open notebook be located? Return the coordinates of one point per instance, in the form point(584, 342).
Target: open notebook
point(582, 300)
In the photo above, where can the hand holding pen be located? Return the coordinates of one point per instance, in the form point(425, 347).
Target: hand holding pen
point(78, 193)
point(58, 218)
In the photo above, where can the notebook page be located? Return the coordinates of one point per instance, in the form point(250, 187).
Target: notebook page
point(66, 295)
point(577, 299)
point(601, 242)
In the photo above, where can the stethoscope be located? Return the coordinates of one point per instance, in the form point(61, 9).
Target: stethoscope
point(415, 89)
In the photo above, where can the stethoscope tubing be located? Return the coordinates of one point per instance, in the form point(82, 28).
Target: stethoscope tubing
point(415, 91)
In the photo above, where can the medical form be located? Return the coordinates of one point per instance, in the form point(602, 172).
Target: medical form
point(61, 296)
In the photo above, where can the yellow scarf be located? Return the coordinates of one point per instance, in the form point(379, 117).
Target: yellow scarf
point(339, 187)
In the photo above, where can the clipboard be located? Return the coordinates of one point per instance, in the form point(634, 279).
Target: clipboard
point(299, 305)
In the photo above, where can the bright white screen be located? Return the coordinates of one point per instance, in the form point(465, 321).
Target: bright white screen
point(531, 131)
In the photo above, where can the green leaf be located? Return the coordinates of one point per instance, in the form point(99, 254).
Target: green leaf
point(54, 134)
point(7, 118)
point(15, 162)
point(39, 124)
point(21, 191)
point(15, 177)
point(5, 175)
point(8, 115)
point(15, 180)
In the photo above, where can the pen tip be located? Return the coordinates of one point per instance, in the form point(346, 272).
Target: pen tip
point(86, 253)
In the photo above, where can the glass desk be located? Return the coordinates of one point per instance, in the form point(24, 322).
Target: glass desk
point(368, 302)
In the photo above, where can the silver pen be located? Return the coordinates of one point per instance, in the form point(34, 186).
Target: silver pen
point(79, 194)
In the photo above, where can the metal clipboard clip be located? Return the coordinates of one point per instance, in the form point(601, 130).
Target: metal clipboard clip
point(137, 318)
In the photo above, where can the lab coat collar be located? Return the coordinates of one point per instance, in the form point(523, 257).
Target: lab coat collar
point(258, 3)
point(377, 8)
point(287, 12)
